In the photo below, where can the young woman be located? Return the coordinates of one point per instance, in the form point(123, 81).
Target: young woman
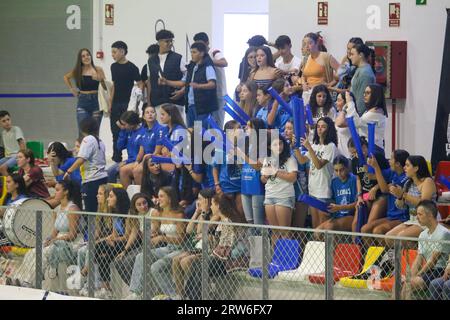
point(265, 72)
point(107, 248)
point(248, 101)
point(227, 176)
point(140, 206)
point(61, 159)
point(394, 176)
point(319, 68)
point(376, 113)
point(277, 117)
point(59, 247)
point(345, 106)
point(420, 186)
point(92, 157)
point(153, 131)
point(264, 100)
point(167, 240)
point(279, 172)
point(344, 196)
point(103, 227)
point(249, 65)
point(364, 74)
point(301, 185)
point(321, 105)
point(130, 135)
point(368, 188)
point(87, 77)
point(32, 174)
point(252, 189)
point(181, 264)
point(320, 154)
point(16, 188)
point(154, 178)
point(347, 68)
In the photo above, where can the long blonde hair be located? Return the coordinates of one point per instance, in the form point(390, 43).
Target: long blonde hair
point(250, 107)
point(102, 221)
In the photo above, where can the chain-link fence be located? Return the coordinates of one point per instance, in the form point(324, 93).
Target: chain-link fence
point(135, 257)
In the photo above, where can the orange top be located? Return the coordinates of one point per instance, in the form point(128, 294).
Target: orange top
point(314, 73)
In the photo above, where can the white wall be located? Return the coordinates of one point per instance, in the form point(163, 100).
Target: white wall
point(422, 26)
point(134, 23)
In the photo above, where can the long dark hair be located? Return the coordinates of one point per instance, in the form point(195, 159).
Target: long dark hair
point(330, 136)
point(317, 38)
point(313, 100)
point(89, 126)
point(78, 69)
point(60, 151)
point(21, 186)
point(368, 54)
point(269, 57)
point(151, 186)
point(73, 192)
point(377, 98)
point(285, 154)
point(342, 94)
point(174, 113)
point(208, 194)
point(422, 171)
point(257, 125)
point(122, 203)
point(228, 208)
point(246, 67)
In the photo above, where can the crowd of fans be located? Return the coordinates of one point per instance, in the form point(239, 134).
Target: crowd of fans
point(325, 164)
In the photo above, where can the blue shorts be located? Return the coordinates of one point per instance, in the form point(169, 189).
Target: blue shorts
point(430, 275)
point(283, 202)
point(8, 161)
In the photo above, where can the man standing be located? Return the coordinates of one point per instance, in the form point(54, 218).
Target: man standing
point(124, 73)
point(169, 65)
point(221, 83)
point(287, 62)
point(432, 255)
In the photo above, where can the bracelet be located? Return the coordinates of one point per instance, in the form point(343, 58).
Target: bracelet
point(217, 184)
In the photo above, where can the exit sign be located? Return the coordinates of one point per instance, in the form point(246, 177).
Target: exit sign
point(421, 2)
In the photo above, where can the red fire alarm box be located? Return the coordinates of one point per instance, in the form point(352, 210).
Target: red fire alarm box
point(390, 66)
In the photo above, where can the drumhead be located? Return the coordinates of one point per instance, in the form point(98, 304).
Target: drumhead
point(20, 222)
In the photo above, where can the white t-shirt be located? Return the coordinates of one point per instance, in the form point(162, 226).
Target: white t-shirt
point(10, 142)
point(320, 180)
point(221, 82)
point(344, 133)
point(94, 153)
point(289, 67)
point(279, 188)
point(380, 126)
point(163, 58)
point(426, 248)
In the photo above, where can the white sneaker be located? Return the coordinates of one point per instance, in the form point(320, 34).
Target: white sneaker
point(84, 292)
point(133, 296)
point(103, 293)
point(177, 297)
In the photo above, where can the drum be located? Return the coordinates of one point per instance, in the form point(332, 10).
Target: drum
point(19, 222)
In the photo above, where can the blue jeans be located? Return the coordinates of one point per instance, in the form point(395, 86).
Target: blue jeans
point(191, 116)
point(253, 208)
point(440, 289)
point(158, 265)
point(88, 106)
point(9, 161)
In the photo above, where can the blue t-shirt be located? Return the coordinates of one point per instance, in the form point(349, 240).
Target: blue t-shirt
point(229, 175)
point(119, 225)
point(344, 193)
point(251, 181)
point(150, 137)
point(129, 139)
point(177, 134)
point(280, 118)
point(9, 201)
point(394, 213)
point(74, 176)
point(207, 171)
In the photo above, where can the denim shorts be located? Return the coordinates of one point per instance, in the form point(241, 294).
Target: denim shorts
point(283, 202)
point(88, 102)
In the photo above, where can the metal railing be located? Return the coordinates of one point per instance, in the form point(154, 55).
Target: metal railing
point(259, 262)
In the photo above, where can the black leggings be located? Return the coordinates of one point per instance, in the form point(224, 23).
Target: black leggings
point(104, 254)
